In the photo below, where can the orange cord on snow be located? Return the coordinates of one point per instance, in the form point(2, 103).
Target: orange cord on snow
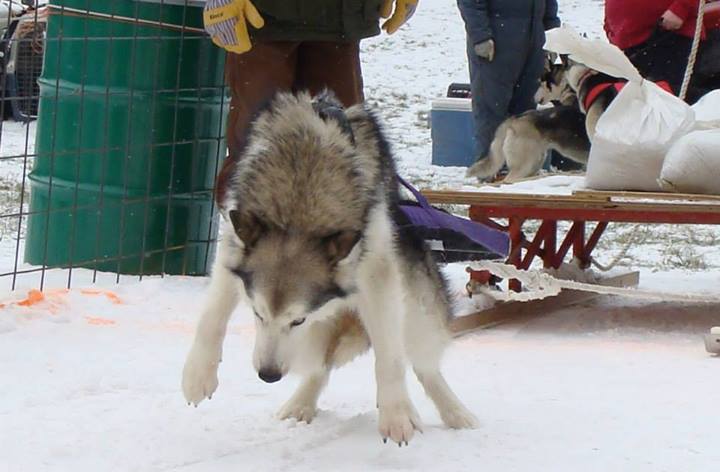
point(35, 297)
point(112, 296)
point(96, 320)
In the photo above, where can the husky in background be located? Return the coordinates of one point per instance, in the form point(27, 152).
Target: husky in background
point(521, 142)
point(554, 87)
point(583, 81)
point(311, 242)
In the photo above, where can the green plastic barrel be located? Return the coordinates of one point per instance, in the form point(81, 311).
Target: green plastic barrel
point(129, 138)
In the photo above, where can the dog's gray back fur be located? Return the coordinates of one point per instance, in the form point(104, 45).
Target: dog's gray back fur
point(302, 172)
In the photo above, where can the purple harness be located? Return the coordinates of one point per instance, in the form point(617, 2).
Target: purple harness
point(427, 216)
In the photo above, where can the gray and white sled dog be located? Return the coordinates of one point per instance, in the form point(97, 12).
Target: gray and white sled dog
point(521, 142)
point(311, 242)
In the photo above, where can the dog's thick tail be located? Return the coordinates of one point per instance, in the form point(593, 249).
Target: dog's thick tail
point(491, 164)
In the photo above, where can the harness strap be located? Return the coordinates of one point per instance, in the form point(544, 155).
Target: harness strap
point(596, 90)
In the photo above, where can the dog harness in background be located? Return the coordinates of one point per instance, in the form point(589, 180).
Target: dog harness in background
point(617, 84)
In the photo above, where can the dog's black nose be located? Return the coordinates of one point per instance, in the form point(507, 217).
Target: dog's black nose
point(270, 376)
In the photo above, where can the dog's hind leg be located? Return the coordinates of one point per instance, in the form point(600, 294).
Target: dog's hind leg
point(200, 379)
point(303, 404)
point(311, 362)
point(328, 345)
point(525, 154)
point(427, 337)
point(453, 413)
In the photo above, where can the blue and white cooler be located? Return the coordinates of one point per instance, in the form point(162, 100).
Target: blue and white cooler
point(452, 132)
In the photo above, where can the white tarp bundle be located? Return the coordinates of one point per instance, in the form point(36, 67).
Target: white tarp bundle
point(638, 128)
point(693, 164)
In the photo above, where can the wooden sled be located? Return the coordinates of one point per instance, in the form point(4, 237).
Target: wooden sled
point(589, 213)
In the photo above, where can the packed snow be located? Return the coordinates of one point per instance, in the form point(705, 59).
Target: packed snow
point(91, 375)
point(91, 382)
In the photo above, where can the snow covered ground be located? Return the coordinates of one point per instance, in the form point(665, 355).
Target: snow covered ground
point(90, 378)
point(91, 382)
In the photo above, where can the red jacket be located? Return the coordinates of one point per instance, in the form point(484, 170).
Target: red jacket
point(712, 15)
point(631, 22)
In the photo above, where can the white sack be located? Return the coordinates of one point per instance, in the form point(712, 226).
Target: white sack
point(693, 164)
point(636, 131)
point(633, 136)
point(594, 53)
point(708, 107)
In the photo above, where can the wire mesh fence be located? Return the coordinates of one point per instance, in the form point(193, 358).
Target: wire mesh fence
point(113, 133)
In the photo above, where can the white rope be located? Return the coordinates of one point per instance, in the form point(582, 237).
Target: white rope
point(694, 50)
point(623, 252)
point(539, 285)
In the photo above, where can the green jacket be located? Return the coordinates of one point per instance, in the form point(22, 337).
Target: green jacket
point(317, 20)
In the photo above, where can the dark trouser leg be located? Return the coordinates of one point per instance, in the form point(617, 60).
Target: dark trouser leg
point(523, 98)
point(707, 70)
point(493, 83)
point(332, 65)
point(254, 77)
point(663, 56)
point(491, 95)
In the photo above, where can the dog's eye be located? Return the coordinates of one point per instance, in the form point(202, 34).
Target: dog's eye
point(257, 315)
point(297, 322)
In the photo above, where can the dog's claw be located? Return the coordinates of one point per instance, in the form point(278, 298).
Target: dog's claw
point(199, 378)
point(398, 423)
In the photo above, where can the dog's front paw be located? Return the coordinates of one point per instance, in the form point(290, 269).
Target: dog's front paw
point(301, 411)
point(200, 374)
point(399, 422)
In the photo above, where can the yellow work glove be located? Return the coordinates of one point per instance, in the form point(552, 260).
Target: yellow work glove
point(226, 22)
point(404, 9)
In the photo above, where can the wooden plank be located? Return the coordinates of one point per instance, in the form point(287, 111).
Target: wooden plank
point(471, 198)
point(497, 199)
point(501, 181)
point(506, 311)
point(569, 213)
point(610, 195)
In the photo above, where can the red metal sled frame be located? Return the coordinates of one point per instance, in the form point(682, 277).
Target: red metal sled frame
point(580, 208)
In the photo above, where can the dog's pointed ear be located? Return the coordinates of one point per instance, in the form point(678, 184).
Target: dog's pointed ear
point(551, 59)
point(338, 245)
point(329, 108)
point(248, 227)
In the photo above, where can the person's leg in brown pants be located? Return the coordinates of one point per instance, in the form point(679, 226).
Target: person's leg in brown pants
point(254, 77)
point(332, 65)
